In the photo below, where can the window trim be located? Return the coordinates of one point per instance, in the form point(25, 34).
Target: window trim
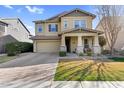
point(79, 20)
point(56, 27)
point(65, 21)
point(41, 26)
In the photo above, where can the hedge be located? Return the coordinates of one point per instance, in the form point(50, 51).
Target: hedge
point(62, 53)
point(18, 47)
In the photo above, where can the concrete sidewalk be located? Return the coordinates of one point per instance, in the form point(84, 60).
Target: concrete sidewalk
point(87, 84)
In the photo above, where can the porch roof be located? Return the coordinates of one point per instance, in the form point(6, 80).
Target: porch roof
point(39, 37)
point(81, 30)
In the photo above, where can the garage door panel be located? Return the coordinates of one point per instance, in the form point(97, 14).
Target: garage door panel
point(48, 46)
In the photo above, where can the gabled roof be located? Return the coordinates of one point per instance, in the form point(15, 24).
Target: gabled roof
point(40, 37)
point(81, 30)
point(65, 13)
point(18, 20)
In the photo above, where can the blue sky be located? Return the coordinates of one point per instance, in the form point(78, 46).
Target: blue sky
point(39, 12)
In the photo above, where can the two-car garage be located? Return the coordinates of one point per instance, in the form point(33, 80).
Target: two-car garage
point(47, 44)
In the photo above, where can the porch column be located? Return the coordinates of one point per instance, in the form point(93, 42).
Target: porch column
point(63, 46)
point(79, 45)
point(34, 46)
point(96, 46)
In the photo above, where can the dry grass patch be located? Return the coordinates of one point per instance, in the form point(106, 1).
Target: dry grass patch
point(89, 70)
point(6, 58)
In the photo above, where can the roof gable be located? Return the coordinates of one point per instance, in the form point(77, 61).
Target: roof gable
point(74, 12)
point(78, 12)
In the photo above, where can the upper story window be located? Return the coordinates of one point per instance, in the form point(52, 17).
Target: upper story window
point(53, 27)
point(79, 24)
point(65, 25)
point(39, 28)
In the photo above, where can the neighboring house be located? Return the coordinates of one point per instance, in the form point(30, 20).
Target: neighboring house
point(3, 27)
point(11, 30)
point(69, 31)
point(119, 45)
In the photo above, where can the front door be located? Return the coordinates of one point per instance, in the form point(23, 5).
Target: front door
point(86, 45)
point(67, 39)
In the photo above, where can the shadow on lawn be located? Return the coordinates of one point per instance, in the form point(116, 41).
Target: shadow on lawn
point(103, 72)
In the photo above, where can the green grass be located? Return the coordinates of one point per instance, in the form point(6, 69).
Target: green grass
point(6, 58)
point(116, 59)
point(89, 71)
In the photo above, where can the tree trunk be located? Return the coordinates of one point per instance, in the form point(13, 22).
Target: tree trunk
point(112, 51)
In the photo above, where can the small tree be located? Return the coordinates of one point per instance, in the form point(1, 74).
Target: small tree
point(109, 16)
point(102, 41)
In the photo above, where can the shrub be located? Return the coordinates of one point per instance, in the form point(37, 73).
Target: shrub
point(81, 54)
point(106, 52)
point(26, 47)
point(102, 41)
point(12, 49)
point(15, 48)
point(62, 53)
point(89, 52)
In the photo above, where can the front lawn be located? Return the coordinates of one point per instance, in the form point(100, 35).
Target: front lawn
point(89, 70)
point(6, 58)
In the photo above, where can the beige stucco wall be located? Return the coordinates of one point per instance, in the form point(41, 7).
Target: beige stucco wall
point(70, 21)
point(46, 29)
point(45, 46)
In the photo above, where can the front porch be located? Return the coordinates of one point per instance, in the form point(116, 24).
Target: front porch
point(80, 43)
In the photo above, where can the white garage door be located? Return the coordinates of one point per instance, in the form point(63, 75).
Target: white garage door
point(48, 46)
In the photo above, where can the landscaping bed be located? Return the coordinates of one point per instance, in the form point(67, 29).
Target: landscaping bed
point(89, 70)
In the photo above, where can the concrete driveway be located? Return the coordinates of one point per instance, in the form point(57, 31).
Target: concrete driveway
point(31, 59)
point(32, 70)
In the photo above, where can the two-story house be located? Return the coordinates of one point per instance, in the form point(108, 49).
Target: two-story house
point(69, 31)
point(11, 30)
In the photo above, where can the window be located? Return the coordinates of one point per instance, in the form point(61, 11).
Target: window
point(2, 28)
point(53, 27)
point(40, 28)
point(79, 24)
point(65, 24)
